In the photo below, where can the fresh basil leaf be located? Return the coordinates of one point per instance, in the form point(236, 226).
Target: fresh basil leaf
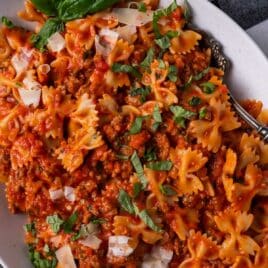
point(194, 101)
point(157, 118)
point(202, 112)
point(173, 73)
point(50, 27)
point(137, 125)
point(146, 218)
point(124, 68)
point(39, 262)
point(30, 227)
point(142, 91)
point(172, 34)
point(142, 7)
point(208, 87)
point(167, 190)
point(162, 13)
point(97, 221)
point(150, 154)
point(125, 202)
point(75, 9)
point(163, 42)
point(146, 63)
point(160, 165)
point(195, 78)
point(69, 223)
point(48, 7)
point(8, 23)
point(180, 114)
point(137, 188)
point(55, 222)
point(187, 11)
point(136, 162)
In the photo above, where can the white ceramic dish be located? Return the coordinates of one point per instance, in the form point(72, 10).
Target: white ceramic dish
point(247, 79)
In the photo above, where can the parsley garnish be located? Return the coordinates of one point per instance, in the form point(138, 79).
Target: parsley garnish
point(160, 165)
point(55, 223)
point(157, 118)
point(142, 7)
point(142, 91)
point(167, 190)
point(208, 87)
point(202, 112)
point(195, 101)
point(163, 42)
point(172, 34)
point(96, 220)
point(137, 124)
point(135, 160)
point(180, 115)
point(8, 23)
point(195, 78)
point(125, 201)
point(124, 68)
point(30, 227)
point(69, 223)
point(150, 154)
point(146, 218)
point(146, 63)
point(137, 188)
point(173, 73)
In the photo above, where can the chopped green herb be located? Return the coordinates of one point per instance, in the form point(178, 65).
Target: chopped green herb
point(124, 68)
point(142, 91)
point(195, 78)
point(163, 42)
point(202, 112)
point(146, 63)
point(122, 157)
point(137, 188)
point(137, 124)
point(96, 220)
point(208, 87)
point(8, 23)
point(39, 262)
point(195, 101)
point(48, 7)
point(83, 232)
point(135, 160)
point(69, 223)
point(150, 154)
point(162, 13)
point(187, 11)
point(180, 115)
point(172, 34)
point(162, 64)
point(55, 223)
point(160, 165)
point(125, 201)
point(173, 73)
point(142, 7)
point(157, 118)
point(167, 190)
point(146, 218)
point(30, 227)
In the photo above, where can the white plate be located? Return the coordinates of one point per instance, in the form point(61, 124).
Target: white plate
point(247, 79)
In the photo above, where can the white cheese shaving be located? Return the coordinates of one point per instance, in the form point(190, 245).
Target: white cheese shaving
point(131, 16)
point(91, 241)
point(56, 42)
point(20, 61)
point(119, 247)
point(126, 32)
point(30, 97)
point(56, 194)
point(69, 193)
point(65, 257)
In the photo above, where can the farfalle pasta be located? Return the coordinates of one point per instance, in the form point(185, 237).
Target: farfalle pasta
point(120, 144)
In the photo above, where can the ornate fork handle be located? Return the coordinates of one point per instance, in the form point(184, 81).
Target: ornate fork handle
point(221, 62)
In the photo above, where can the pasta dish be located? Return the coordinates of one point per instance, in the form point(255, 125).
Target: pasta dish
point(119, 143)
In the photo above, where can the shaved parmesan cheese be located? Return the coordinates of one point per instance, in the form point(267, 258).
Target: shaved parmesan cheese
point(130, 16)
point(56, 42)
point(30, 83)
point(65, 257)
point(69, 193)
point(159, 258)
point(126, 32)
point(30, 97)
point(105, 41)
point(56, 194)
point(20, 61)
point(119, 247)
point(91, 241)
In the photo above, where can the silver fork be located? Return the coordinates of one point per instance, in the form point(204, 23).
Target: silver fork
point(221, 62)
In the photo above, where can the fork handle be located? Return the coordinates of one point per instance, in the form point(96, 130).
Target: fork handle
point(261, 129)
